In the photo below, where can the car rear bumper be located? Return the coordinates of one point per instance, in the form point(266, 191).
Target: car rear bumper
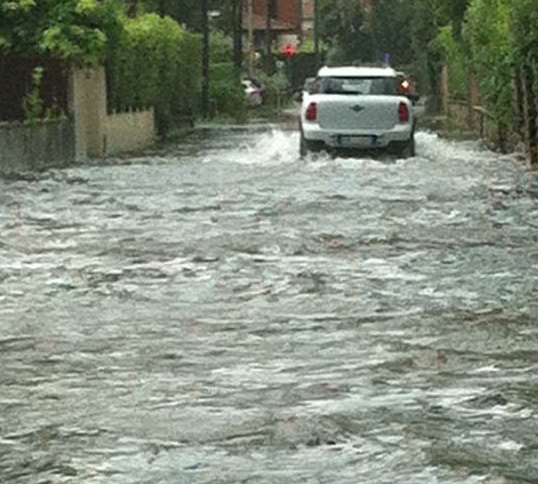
point(367, 139)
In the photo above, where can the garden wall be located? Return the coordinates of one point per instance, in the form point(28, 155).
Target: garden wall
point(126, 132)
point(48, 144)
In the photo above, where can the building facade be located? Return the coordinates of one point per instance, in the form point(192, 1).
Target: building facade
point(286, 22)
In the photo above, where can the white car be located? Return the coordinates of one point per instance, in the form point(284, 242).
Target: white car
point(357, 108)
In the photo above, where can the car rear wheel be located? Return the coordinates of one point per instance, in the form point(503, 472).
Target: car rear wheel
point(403, 149)
point(309, 146)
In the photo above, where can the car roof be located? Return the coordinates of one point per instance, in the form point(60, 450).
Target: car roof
point(356, 72)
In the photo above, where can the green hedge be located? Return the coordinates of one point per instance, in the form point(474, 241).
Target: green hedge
point(456, 60)
point(156, 63)
point(488, 31)
point(299, 68)
point(226, 97)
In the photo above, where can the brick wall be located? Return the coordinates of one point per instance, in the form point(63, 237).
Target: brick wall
point(288, 11)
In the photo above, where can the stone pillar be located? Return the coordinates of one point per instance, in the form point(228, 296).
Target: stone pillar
point(88, 106)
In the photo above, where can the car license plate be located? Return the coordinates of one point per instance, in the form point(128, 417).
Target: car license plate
point(356, 141)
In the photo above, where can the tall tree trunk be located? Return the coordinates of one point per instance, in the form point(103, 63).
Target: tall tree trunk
point(132, 8)
point(446, 90)
point(519, 94)
point(162, 8)
point(238, 38)
point(250, 37)
point(205, 58)
point(531, 134)
point(474, 100)
point(317, 20)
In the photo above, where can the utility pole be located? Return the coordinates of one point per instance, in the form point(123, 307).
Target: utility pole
point(250, 40)
point(238, 39)
point(317, 55)
point(269, 14)
point(205, 58)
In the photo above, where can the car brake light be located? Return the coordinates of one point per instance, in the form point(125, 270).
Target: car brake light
point(312, 112)
point(403, 113)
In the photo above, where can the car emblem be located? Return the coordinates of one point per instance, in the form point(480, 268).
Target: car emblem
point(357, 108)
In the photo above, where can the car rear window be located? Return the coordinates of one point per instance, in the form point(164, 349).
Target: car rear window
point(382, 86)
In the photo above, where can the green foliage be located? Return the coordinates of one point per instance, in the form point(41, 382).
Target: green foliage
point(226, 97)
point(220, 47)
point(525, 33)
point(344, 28)
point(427, 57)
point(75, 30)
point(32, 102)
point(389, 27)
point(299, 68)
point(488, 33)
point(276, 89)
point(185, 12)
point(452, 12)
point(455, 58)
point(157, 63)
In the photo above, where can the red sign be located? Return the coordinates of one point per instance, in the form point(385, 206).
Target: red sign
point(289, 51)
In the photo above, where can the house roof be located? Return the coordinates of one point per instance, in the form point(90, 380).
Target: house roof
point(260, 23)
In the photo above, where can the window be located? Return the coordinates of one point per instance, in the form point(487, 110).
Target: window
point(382, 86)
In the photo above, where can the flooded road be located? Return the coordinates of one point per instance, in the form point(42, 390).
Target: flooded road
point(225, 312)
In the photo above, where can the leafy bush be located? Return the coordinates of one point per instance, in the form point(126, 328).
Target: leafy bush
point(226, 97)
point(74, 30)
point(488, 33)
point(456, 60)
point(276, 89)
point(299, 68)
point(525, 34)
point(157, 63)
point(220, 47)
point(33, 103)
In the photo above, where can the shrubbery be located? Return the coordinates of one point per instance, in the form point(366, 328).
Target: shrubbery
point(498, 44)
point(226, 97)
point(276, 90)
point(488, 34)
point(453, 52)
point(156, 63)
point(74, 30)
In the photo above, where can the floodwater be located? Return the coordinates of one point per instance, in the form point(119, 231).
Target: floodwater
point(224, 312)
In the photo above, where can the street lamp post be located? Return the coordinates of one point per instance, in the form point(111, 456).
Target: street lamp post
point(268, 15)
point(238, 39)
point(316, 35)
point(250, 41)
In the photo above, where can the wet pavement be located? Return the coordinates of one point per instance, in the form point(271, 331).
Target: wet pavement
point(224, 312)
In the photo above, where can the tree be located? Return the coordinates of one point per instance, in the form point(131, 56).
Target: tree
point(75, 30)
point(389, 27)
point(344, 27)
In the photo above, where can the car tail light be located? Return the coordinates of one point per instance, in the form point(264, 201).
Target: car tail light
point(403, 113)
point(312, 112)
